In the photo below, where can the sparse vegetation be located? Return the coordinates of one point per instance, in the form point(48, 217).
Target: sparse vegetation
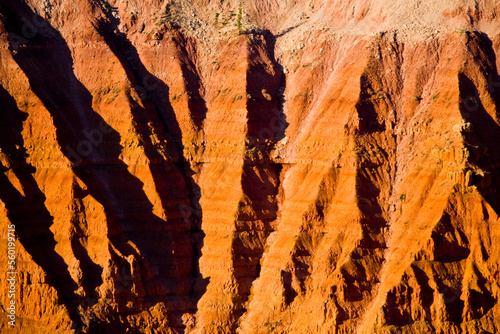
point(176, 97)
point(377, 95)
point(402, 197)
point(273, 325)
point(464, 31)
point(239, 18)
point(232, 19)
point(115, 92)
point(106, 6)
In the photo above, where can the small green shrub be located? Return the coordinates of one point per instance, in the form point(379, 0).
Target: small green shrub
point(106, 6)
point(239, 19)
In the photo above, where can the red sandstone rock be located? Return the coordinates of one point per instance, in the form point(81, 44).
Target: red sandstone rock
point(270, 167)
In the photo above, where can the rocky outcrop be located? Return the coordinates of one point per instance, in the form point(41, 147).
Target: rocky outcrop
point(253, 167)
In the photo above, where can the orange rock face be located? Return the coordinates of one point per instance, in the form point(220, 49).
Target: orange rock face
point(266, 167)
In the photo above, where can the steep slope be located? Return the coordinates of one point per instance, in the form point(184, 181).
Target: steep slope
point(255, 167)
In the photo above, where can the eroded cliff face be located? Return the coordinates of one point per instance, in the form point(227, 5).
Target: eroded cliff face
point(269, 167)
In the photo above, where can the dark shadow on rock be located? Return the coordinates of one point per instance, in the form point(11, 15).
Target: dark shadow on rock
point(94, 149)
point(373, 222)
point(265, 90)
point(260, 179)
point(288, 290)
point(155, 108)
point(287, 30)
point(92, 272)
point(483, 133)
point(368, 117)
point(426, 296)
point(27, 211)
point(446, 246)
point(397, 308)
